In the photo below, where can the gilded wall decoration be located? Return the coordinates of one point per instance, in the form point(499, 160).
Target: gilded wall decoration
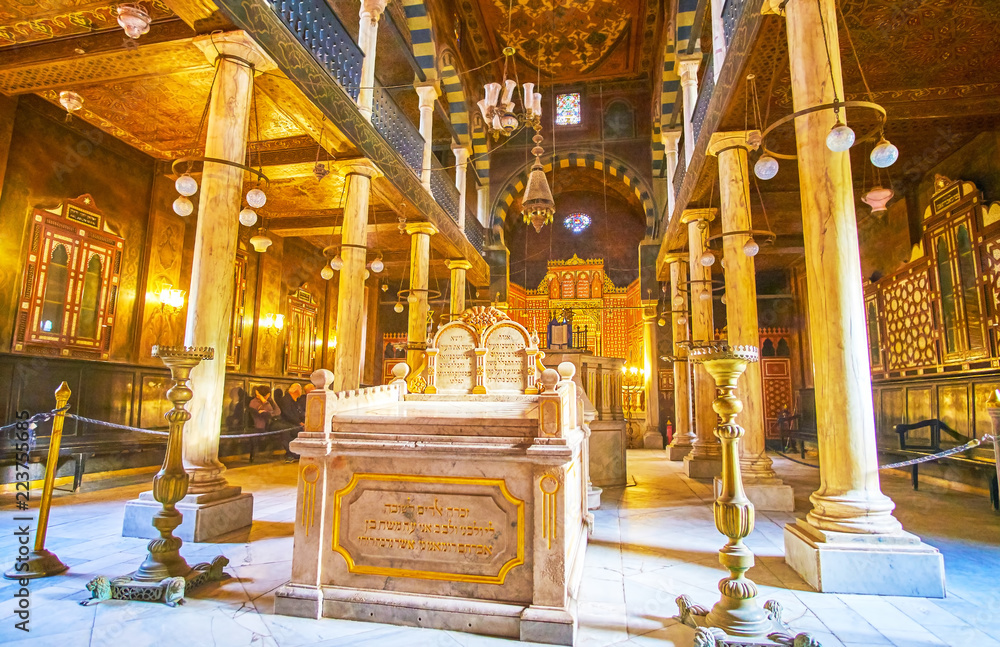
point(911, 338)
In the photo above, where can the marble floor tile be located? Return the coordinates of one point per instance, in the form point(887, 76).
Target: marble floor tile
point(652, 542)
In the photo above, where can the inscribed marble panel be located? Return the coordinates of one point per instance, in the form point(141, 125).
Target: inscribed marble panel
point(456, 360)
point(506, 361)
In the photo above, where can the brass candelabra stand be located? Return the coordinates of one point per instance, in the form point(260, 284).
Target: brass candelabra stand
point(164, 576)
point(737, 613)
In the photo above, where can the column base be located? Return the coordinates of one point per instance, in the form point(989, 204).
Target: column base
point(593, 497)
point(770, 495)
point(652, 439)
point(677, 452)
point(205, 516)
point(701, 467)
point(839, 562)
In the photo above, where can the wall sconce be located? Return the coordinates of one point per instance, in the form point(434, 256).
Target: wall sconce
point(171, 298)
point(272, 323)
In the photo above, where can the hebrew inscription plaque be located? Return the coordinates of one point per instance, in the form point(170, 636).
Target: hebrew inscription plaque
point(506, 360)
point(438, 528)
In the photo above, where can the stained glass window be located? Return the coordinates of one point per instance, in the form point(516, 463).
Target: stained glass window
point(577, 222)
point(568, 109)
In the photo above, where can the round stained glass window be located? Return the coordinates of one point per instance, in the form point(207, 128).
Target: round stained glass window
point(577, 222)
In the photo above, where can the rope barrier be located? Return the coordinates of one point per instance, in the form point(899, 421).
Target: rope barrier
point(972, 444)
point(33, 421)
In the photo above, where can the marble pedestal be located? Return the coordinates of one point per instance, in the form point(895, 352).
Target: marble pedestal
point(608, 442)
point(837, 562)
point(206, 516)
point(652, 439)
point(701, 467)
point(594, 497)
point(677, 453)
point(770, 495)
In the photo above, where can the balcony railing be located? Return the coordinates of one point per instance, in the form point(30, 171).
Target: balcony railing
point(731, 12)
point(475, 232)
point(704, 97)
point(679, 172)
point(399, 131)
point(321, 32)
point(317, 27)
point(443, 189)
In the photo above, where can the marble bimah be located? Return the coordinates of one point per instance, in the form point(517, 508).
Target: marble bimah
point(460, 508)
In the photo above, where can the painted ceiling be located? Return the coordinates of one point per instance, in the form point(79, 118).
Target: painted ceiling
point(28, 21)
point(573, 39)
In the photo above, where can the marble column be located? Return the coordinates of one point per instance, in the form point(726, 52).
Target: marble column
point(850, 542)
point(687, 65)
point(416, 330)
point(212, 507)
point(651, 437)
point(764, 489)
point(370, 14)
point(483, 205)
point(670, 140)
point(719, 44)
point(351, 309)
point(705, 458)
point(684, 436)
point(458, 268)
point(428, 93)
point(461, 164)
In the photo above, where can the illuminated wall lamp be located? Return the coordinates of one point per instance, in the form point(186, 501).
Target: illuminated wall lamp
point(272, 323)
point(171, 298)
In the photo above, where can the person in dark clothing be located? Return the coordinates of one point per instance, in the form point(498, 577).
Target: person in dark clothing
point(293, 410)
point(264, 410)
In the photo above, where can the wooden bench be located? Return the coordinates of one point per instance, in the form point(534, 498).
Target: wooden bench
point(908, 449)
point(800, 426)
point(78, 453)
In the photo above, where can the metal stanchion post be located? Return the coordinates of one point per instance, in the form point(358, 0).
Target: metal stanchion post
point(41, 562)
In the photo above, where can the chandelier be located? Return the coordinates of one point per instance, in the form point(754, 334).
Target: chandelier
point(498, 111)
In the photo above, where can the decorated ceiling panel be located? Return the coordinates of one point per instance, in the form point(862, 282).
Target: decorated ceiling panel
point(27, 21)
point(573, 39)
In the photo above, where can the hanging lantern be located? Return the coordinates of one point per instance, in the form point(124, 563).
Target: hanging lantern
point(877, 199)
point(840, 138)
point(337, 262)
point(133, 19)
point(766, 167)
point(183, 206)
point(385, 287)
point(71, 102)
point(398, 307)
point(884, 154)
point(326, 273)
point(661, 322)
point(256, 198)
point(682, 320)
point(705, 295)
point(750, 248)
point(377, 264)
point(707, 258)
point(261, 241)
point(678, 300)
point(186, 185)
point(367, 275)
point(538, 205)
point(248, 217)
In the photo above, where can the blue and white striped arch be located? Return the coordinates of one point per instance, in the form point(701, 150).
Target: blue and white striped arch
point(421, 37)
point(615, 169)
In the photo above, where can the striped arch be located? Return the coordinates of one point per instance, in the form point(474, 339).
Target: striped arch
point(458, 108)
point(686, 10)
point(659, 152)
point(480, 149)
point(421, 37)
point(615, 168)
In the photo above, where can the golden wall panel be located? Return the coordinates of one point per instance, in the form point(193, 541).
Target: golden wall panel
point(892, 411)
point(953, 409)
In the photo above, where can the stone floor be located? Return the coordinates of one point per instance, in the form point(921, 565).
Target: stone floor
point(651, 542)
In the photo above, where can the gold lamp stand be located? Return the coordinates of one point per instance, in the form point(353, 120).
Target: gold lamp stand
point(737, 619)
point(164, 575)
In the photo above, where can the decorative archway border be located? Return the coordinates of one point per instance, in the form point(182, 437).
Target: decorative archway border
point(615, 168)
point(458, 108)
point(421, 37)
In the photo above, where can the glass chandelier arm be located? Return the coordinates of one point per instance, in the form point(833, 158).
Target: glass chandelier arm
point(492, 94)
point(508, 92)
point(537, 108)
point(484, 108)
